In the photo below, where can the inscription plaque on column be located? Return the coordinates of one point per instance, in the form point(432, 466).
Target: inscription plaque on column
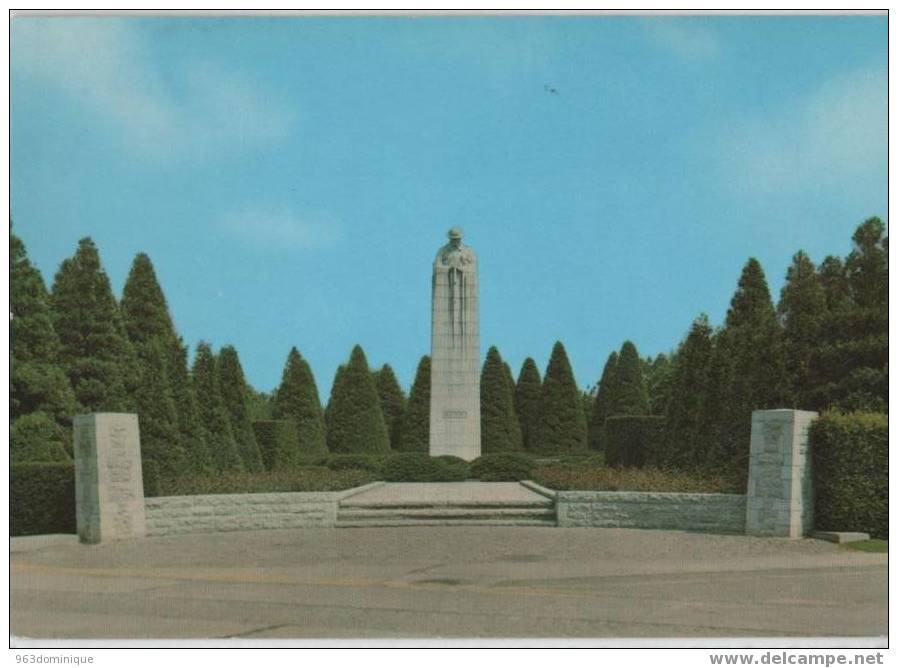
point(109, 502)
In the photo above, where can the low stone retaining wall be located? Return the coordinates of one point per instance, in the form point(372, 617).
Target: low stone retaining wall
point(713, 513)
point(167, 515)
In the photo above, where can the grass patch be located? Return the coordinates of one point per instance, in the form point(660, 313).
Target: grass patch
point(305, 479)
point(872, 545)
point(610, 479)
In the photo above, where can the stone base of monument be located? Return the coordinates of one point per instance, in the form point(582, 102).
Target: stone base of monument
point(446, 504)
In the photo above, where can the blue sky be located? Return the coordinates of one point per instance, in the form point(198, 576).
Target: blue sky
point(292, 179)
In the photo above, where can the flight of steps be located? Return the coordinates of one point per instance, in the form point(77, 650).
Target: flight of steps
point(359, 513)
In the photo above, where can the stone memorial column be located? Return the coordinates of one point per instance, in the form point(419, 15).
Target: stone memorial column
point(455, 353)
point(109, 502)
point(780, 498)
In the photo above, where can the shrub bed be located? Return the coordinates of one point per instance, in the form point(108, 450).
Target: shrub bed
point(502, 466)
point(41, 498)
point(613, 479)
point(850, 455)
point(372, 463)
point(633, 440)
point(306, 479)
point(421, 467)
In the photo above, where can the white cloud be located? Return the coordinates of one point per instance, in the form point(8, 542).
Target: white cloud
point(833, 137)
point(282, 229)
point(105, 67)
point(685, 38)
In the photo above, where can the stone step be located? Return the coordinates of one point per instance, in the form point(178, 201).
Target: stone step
point(456, 503)
point(387, 522)
point(445, 512)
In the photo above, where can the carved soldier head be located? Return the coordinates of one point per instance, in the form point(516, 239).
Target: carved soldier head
point(455, 237)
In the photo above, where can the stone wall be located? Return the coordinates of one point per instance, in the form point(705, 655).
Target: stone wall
point(167, 515)
point(713, 513)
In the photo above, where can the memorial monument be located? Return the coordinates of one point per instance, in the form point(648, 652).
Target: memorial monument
point(109, 503)
point(455, 353)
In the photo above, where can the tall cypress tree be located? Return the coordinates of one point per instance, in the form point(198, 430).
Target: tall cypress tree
point(37, 383)
point(190, 424)
point(355, 420)
point(95, 352)
point(561, 428)
point(499, 428)
point(234, 394)
point(160, 447)
point(628, 395)
point(392, 402)
point(526, 399)
point(213, 415)
point(751, 346)
point(297, 399)
point(683, 439)
point(802, 310)
point(599, 412)
point(658, 373)
point(415, 430)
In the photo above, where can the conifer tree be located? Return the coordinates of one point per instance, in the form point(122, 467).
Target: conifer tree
point(415, 429)
point(190, 425)
point(834, 281)
point(802, 310)
point(499, 428)
point(160, 446)
point(600, 404)
point(628, 395)
point(392, 402)
point(683, 439)
point(234, 394)
point(355, 420)
point(36, 381)
point(213, 416)
point(658, 382)
point(750, 360)
point(526, 399)
point(561, 428)
point(95, 352)
point(146, 318)
point(297, 399)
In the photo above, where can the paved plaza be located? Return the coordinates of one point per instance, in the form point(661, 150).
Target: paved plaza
point(453, 582)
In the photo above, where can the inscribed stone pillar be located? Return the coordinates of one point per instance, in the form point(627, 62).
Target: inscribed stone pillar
point(109, 502)
point(455, 353)
point(780, 498)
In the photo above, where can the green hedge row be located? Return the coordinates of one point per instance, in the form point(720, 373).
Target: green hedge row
point(633, 440)
point(850, 454)
point(41, 498)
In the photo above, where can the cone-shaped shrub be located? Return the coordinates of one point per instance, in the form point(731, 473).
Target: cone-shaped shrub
point(355, 420)
point(392, 402)
point(297, 399)
point(600, 404)
point(561, 428)
point(628, 395)
point(499, 428)
point(415, 429)
point(234, 394)
point(95, 352)
point(526, 399)
point(37, 382)
point(214, 417)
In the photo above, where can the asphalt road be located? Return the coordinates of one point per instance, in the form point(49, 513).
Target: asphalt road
point(449, 582)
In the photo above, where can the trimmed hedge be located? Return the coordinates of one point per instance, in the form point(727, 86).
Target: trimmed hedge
point(605, 479)
point(633, 440)
point(502, 466)
point(850, 454)
point(361, 462)
point(42, 498)
point(421, 467)
point(279, 444)
point(303, 479)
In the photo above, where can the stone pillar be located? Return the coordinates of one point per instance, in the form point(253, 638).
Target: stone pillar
point(455, 353)
point(109, 502)
point(780, 499)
